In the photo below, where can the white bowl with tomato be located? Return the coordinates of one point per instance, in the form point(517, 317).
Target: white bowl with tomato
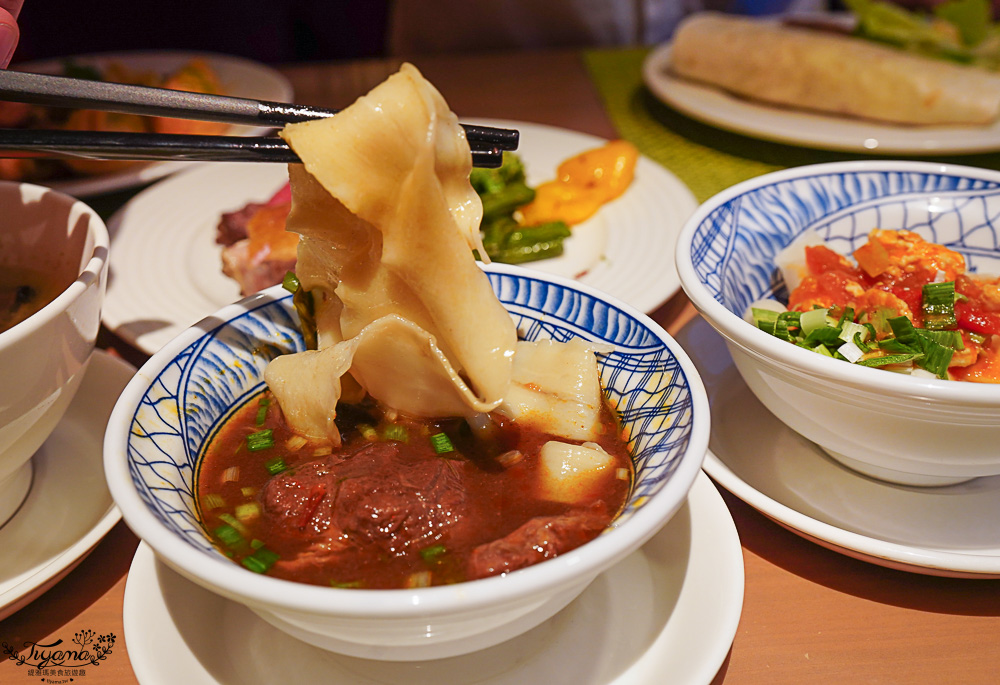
point(881, 348)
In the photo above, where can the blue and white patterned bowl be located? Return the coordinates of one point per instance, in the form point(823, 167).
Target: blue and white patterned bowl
point(160, 426)
point(894, 427)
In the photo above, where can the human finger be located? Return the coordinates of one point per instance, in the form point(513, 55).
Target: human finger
point(9, 35)
point(13, 7)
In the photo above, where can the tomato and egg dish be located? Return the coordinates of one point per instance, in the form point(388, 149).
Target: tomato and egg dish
point(904, 301)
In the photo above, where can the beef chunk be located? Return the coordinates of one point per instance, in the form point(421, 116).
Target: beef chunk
point(253, 272)
point(233, 225)
point(378, 494)
point(257, 251)
point(541, 538)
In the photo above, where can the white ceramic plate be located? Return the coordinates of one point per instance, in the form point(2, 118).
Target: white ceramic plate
point(69, 508)
point(669, 611)
point(796, 127)
point(239, 77)
point(948, 531)
point(166, 269)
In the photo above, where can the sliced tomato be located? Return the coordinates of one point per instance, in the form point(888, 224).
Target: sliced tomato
point(972, 318)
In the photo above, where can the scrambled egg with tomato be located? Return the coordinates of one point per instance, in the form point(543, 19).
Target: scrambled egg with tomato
point(892, 268)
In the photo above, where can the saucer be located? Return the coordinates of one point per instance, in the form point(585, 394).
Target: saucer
point(942, 531)
point(670, 608)
point(69, 508)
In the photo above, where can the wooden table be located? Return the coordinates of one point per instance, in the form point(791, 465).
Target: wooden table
point(809, 616)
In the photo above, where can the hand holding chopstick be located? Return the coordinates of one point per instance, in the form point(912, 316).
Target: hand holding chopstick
point(487, 143)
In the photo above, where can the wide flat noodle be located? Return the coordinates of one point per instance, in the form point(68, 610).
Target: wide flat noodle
point(827, 72)
point(388, 223)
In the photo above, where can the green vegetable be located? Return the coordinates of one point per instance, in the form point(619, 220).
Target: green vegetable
point(348, 584)
point(275, 466)
point(503, 202)
point(262, 407)
point(261, 560)
point(844, 338)
point(492, 180)
point(302, 300)
point(502, 192)
point(959, 30)
point(261, 440)
point(396, 432)
point(432, 554)
point(441, 443)
point(236, 524)
point(229, 536)
point(938, 304)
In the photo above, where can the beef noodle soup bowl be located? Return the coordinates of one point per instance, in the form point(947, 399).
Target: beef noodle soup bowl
point(53, 269)
point(184, 398)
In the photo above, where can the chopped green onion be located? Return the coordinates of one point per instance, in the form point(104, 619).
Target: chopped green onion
point(348, 584)
point(261, 440)
point(247, 511)
point(851, 330)
point(824, 336)
point(432, 554)
point(235, 523)
point(256, 543)
point(936, 358)
point(903, 330)
point(231, 475)
point(262, 411)
point(229, 536)
point(248, 491)
point(890, 359)
point(275, 466)
point(939, 306)
point(419, 579)
point(765, 319)
point(290, 282)
point(851, 352)
point(213, 501)
point(367, 432)
point(508, 459)
point(952, 339)
point(295, 443)
point(261, 560)
point(394, 431)
point(785, 322)
point(812, 320)
point(441, 443)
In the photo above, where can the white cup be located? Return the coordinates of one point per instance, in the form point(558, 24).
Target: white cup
point(44, 358)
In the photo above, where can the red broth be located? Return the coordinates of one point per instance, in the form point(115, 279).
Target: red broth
point(386, 510)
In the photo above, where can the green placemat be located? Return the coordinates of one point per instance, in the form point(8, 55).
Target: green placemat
point(705, 158)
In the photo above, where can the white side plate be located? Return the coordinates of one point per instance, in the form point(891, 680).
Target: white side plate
point(239, 77)
point(944, 531)
point(69, 508)
point(669, 611)
point(718, 108)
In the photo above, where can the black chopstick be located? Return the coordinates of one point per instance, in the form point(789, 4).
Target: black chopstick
point(61, 91)
point(165, 146)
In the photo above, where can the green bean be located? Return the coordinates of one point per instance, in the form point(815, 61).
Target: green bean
point(504, 201)
point(529, 252)
point(542, 233)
